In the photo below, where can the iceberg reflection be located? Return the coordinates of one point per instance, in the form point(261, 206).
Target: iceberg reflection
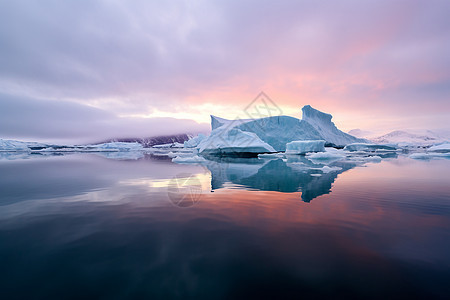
point(293, 174)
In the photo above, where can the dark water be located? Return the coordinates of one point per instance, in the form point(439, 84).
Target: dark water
point(82, 226)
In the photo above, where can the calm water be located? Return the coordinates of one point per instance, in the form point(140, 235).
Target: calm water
point(81, 226)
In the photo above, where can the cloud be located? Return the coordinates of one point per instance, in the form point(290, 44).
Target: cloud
point(139, 56)
point(64, 121)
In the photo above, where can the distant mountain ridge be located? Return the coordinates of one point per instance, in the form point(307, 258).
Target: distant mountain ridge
point(404, 137)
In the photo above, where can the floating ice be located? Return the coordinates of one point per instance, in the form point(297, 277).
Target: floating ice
point(271, 155)
point(329, 154)
point(303, 147)
point(11, 145)
point(440, 148)
point(370, 147)
point(193, 142)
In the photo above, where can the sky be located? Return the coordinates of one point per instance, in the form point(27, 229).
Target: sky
point(78, 70)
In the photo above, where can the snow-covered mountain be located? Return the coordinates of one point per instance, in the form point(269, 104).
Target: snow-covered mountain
point(405, 138)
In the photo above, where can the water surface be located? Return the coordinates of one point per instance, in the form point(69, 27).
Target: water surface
point(78, 226)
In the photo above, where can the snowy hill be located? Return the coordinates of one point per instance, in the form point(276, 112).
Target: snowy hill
point(405, 138)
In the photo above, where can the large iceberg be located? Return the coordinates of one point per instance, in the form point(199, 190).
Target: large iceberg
point(303, 147)
point(277, 131)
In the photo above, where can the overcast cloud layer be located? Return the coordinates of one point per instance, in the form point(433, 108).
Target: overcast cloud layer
point(108, 64)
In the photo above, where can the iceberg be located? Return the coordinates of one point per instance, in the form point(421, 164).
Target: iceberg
point(303, 147)
point(442, 148)
point(325, 156)
point(12, 145)
point(233, 142)
point(271, 155)
point(277, 131)
point(9, 145)
point(193, 142)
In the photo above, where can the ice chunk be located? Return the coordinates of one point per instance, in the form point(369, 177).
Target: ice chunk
point(188, 159)
point(329, 154)
point(370, 147)
point(271, 155)
point(193, 142)
point(440, 148)
point(233, 141)
point(303, 147)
